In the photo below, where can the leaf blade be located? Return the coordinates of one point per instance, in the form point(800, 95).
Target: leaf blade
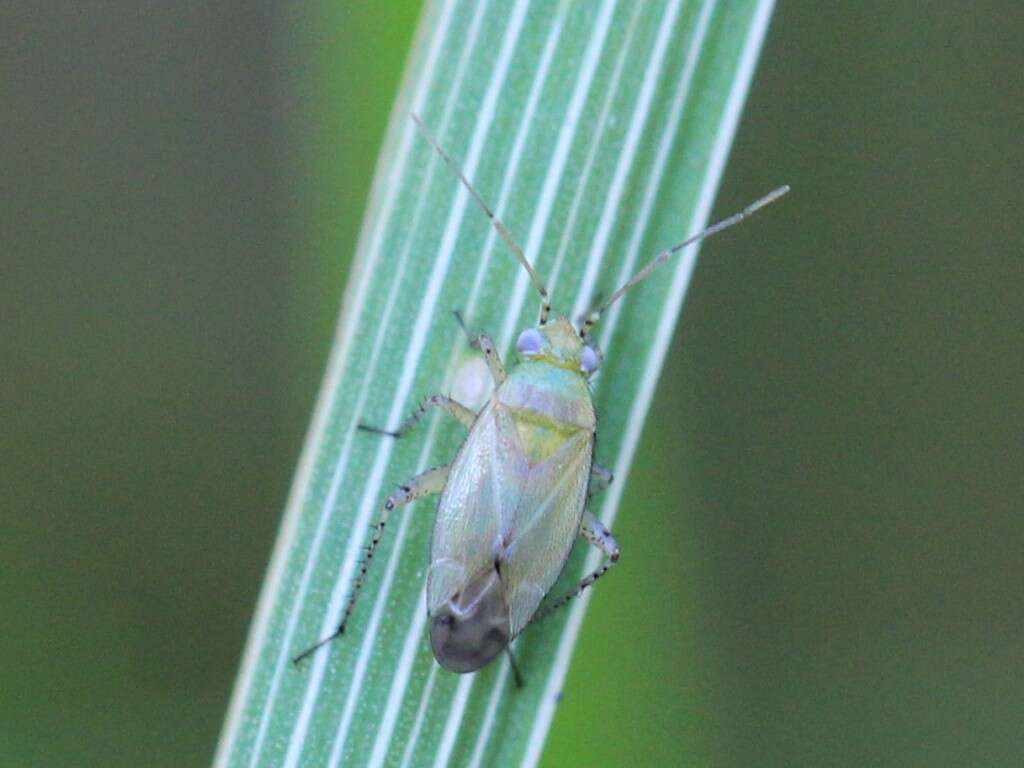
point(380, 681)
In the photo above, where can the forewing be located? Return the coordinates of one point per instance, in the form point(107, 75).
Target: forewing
point(479, 503)
point(545, 525)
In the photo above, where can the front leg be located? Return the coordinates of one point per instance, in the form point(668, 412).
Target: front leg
point(594, 531)
point(484, 344)
point(425, 484)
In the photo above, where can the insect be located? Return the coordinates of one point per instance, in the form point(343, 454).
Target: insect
point(514, 499)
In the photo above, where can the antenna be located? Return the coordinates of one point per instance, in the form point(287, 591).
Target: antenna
point(662, 257)
point(545, 301)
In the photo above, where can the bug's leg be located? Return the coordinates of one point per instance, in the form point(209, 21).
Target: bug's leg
point(445, 403)
point(517, 676)
point(594, 531)
point(484, 344)
point(600, 479)
point(425, 484)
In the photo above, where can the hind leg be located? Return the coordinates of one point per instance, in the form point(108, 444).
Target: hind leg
point(426, 484)
point(594, 531)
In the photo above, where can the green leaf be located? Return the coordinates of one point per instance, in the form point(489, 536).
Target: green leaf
point(598, 131)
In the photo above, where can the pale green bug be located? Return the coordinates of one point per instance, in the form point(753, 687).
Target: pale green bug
point(513, 501)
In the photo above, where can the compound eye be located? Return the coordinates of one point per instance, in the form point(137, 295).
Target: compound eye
point(590, 360)
point(531, 342)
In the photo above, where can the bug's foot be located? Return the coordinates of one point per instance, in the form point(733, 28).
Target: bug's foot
point(376, 430)
point(314, 648)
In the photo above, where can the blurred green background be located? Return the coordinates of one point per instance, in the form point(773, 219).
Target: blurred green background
point(823, 547)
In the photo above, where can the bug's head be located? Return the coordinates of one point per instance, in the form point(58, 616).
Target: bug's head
point(472, 628)
point(559, 343)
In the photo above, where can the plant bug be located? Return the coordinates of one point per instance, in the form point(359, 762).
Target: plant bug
point(513, 500)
